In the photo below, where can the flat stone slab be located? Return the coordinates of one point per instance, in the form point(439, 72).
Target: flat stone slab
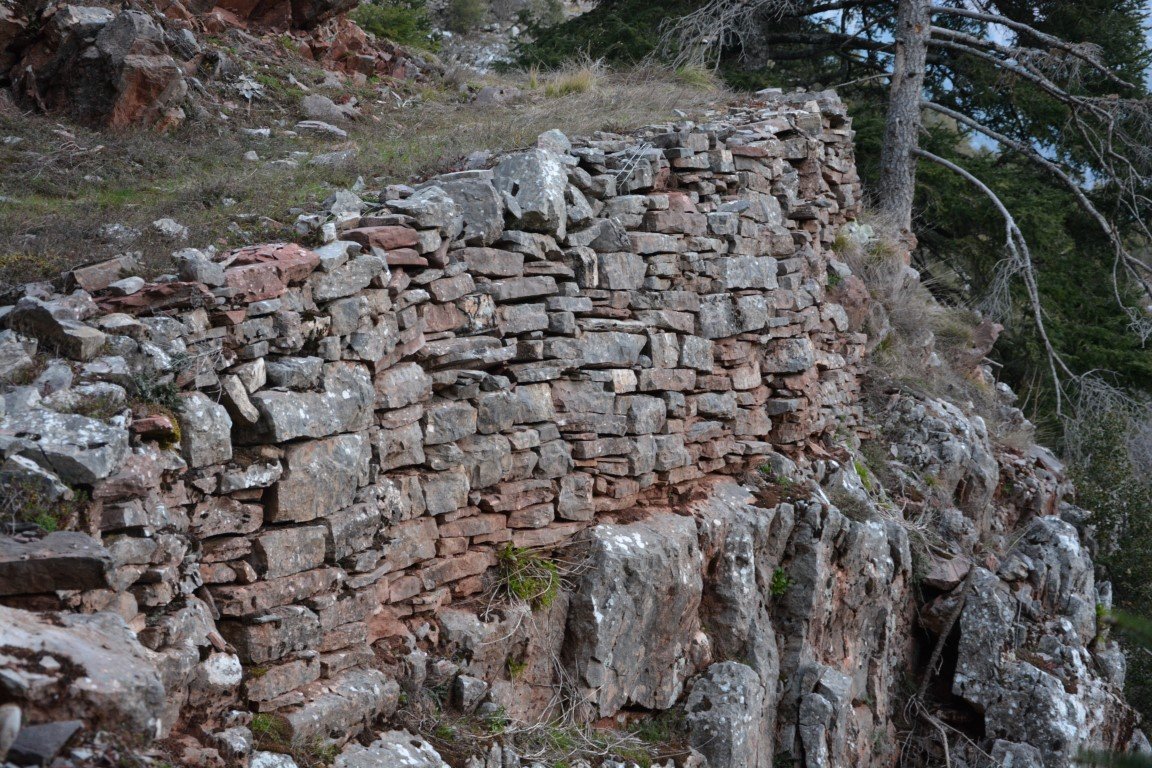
point(40, 744)
point(60, 560)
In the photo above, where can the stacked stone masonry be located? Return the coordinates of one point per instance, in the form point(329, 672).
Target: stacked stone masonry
point(498, 356)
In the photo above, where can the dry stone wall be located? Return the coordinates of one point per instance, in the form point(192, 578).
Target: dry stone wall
point(287, 477)
point(330, 445)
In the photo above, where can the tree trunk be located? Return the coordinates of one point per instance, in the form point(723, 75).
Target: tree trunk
point(902, 127)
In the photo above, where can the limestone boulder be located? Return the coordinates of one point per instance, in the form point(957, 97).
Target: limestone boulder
point(398, 748)
point(633, 616)
point(481, 207)
point(56, 327)
point(344, 405)
point(77, 449)
point(1071, 702)
point(533, 186)
point(724, 712)
point(936, 438)
point(87, 667)
point(205, 430)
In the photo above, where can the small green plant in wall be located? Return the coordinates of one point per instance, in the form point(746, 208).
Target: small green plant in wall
point(780, 582)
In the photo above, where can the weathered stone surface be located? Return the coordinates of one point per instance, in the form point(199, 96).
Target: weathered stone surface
point(344, 406)
point(402, 385)
point(263, 596)
point(103, 676)
point(398, 748)
point(55, 329)
point(448, 421)
point(722, 315)
point(348, 279)
point(295, 372)
point(285, 551)
point(432, 208)
point(789, 356)
point(481, 207)
point(747, 272)
point(77, 449)
point(345, 705)
point(400, 446)
point(446, 492)
point(533, 185)
point(61, 560)
point(262, 759)
point(642, 586)
point(723, 713)
point(1052, 572)
point(409, 543)
point(276, 634)
point(225, 515)
point(321, 477)
point(205, 431)
point(491, 262)
point(937, 438)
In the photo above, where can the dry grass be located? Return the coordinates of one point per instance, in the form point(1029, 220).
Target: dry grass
point(921, 344)
point(59, 183)
point(580, 77)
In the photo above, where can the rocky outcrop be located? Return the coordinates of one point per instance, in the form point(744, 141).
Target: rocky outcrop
point(102, 67)
point(632, 619)
point(145, 66)
point(567, 441)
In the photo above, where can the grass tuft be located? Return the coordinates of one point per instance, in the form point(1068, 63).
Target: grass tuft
point(527, 576)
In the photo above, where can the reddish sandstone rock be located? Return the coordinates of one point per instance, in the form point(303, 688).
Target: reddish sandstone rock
point(341, 45)
point(388, 238)
point(102, 68)
point(292, 262)
point(155, 427)
point(254, 282)
point(159, 296)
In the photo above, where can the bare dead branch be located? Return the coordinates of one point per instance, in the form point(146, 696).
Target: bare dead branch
point(1088, 53)
point(1021, 260)
point(1133, 266)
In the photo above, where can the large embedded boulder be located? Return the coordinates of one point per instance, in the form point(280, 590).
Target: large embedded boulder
point(632, 621)
point(77, 449)
point(534, 186)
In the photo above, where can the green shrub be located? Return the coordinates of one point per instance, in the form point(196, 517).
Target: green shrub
point(270, 731)
point(405, 22)
point(466, 15)
point(26, 501)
